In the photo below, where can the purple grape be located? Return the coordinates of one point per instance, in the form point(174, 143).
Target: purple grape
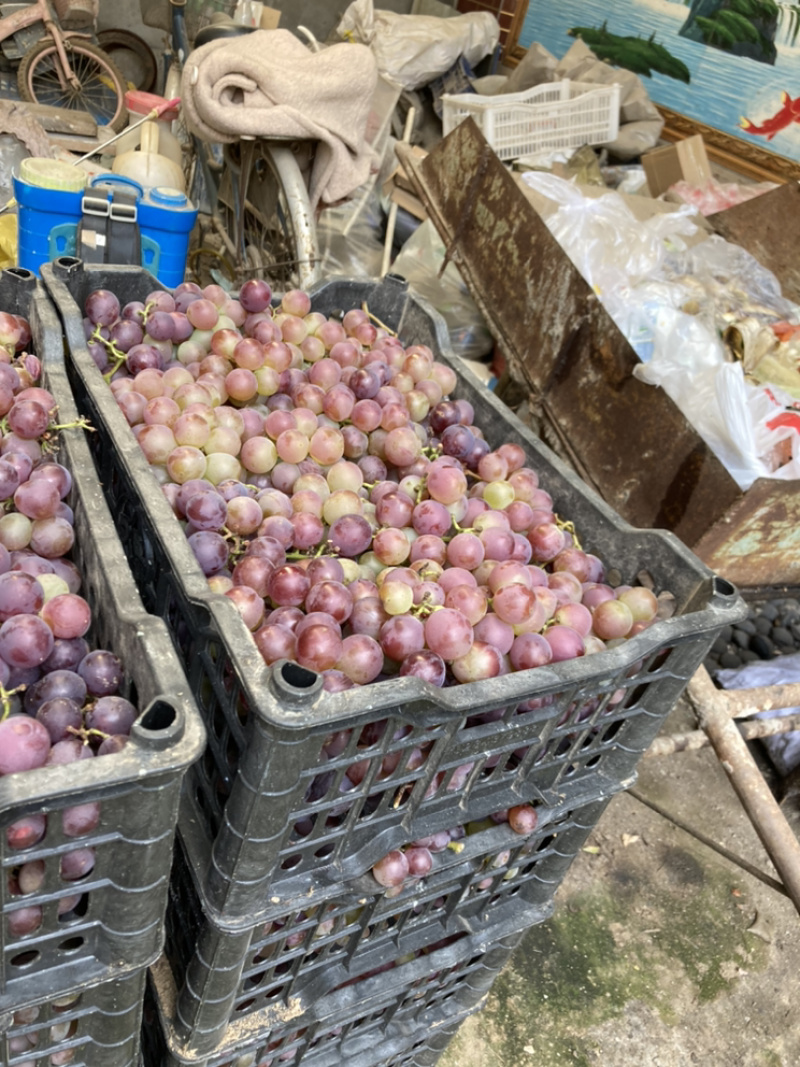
point(66, 655)
point(102, 307)
point(112, 715)
point(60, 717)
point(210, 550)
point(101, 670)
point(20, 594)
point(425, 665)
point(350, 535)
point(25, 641)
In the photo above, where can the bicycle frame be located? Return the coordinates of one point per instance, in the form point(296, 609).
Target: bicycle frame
point(42, 11)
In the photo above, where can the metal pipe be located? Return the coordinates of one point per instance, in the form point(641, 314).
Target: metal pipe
point(691, 740)
point(760, 805)
point(709, 842)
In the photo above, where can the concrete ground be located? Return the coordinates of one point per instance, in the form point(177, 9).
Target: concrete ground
point(660, 952)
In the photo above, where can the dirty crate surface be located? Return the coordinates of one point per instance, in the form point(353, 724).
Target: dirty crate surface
point(542, 735)
point(117, 923)
point(490, 876)
point(386, 1014)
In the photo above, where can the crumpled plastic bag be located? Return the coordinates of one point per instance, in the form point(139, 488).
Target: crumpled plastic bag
point(784, 749)
point(415, 49)
point(419, 262)
point(607, 243)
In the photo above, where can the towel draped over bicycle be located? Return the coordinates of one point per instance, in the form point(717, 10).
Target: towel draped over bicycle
point(268, 84)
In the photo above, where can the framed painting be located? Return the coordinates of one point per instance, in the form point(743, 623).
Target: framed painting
point(728, 69)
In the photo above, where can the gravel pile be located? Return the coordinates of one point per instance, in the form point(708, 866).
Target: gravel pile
point(771, 629)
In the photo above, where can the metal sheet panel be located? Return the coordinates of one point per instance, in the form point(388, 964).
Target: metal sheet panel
point(628, 440)
point(769, 228)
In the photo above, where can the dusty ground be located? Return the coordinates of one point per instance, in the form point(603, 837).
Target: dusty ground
point(660, 953)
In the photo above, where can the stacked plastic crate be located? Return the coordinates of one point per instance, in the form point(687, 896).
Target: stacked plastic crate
point(75, 952)
point(281, 947)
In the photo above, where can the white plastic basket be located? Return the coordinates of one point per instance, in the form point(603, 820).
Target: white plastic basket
point(561, 114)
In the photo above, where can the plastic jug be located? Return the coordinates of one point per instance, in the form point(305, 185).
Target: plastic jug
point(146, 166)
point(139, 105)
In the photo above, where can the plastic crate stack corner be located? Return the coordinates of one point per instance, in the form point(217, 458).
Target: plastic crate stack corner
point(71, 990)
point(281, 947)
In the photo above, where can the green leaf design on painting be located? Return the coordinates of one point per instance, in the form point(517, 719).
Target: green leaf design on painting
point(715, 34)
point(637, 54)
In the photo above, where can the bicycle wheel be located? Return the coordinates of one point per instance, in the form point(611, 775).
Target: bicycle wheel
point(273, 233)
point(133, 56)
point(101, 89)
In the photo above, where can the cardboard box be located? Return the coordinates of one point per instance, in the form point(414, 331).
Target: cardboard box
point(398, 187)
point(683, 161)
point(270, 18)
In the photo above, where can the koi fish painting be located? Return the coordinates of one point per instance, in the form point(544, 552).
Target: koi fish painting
point(788, 113)
point(727, 67)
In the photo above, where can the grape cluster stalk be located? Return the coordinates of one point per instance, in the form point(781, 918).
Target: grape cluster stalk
point(59, 700)
point(333, 490)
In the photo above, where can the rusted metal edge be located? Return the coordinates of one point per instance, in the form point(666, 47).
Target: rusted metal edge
point(755, 795)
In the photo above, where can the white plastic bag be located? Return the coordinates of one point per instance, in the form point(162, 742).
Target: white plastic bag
point(607, 243)
point(419, 261)
point(415, 49)
point(784, 749)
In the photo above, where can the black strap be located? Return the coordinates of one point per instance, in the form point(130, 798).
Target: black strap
point(109, 230)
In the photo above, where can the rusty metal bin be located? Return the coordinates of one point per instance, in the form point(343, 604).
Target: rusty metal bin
point(626, 439)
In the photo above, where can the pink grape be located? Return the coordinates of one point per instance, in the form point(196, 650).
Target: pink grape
point(24, 744)
point(565, 643)
point(523, 819)
point(392, 870)
point(448, 634)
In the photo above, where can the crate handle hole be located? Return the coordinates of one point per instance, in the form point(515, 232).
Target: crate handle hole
point(294, 683)
point(72, 944)
point(25, 959)
point(160, 726)
point(722, 587)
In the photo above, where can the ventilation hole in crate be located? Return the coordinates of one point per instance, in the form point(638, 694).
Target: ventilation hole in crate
point(245, 1005)
point(545, 843)
point(72, 944)
point(77, 912)
point(612, 731)
point(325, 851)
point(219, 723)
point(659, 660)
point(232, 753)
point(25, 959)
point(593, 762)
point(372, 733)
point(303, 827)
point(563, 747)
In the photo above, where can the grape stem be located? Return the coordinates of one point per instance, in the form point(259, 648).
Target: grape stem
point(383, 326)
point(81, 423)
point(5, 699)
point(86, 733)
point(237, 546)
point(325, 548)
point(569, 527)
point(113, 351)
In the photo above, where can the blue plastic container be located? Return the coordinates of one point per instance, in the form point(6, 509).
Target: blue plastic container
point(47, 223)
point(49, 219)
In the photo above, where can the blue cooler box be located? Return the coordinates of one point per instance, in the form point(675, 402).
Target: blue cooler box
point(49, 220)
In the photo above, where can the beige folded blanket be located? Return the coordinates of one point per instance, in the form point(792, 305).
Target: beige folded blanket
point(268, 84)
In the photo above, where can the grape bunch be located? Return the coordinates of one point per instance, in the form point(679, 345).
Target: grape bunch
point(59, 700)
point(405, 866)
point(352, 511)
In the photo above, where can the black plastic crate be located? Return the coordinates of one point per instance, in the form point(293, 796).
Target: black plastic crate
point(367, 1023)
point(118, 924)
point(548, 734)
point(95, 1026)
point(492, 876)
